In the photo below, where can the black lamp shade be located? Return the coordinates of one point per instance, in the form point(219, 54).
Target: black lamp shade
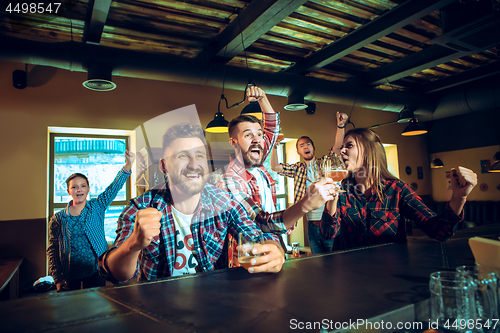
point(496, 163)
point(405, 116)
point(218, 125)
point(295, 102)
point(252, 109)
point(413, 129)
point(437, 163)
point(99, 78)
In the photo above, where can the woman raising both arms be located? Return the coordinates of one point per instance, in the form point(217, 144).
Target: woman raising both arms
point(375, 204)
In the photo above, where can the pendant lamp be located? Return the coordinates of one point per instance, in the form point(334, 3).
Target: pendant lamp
point(414, 128)
point(218, 125)
point(252, 109)
point(437, 163)
point(495, 167)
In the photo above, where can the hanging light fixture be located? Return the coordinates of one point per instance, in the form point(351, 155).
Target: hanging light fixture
point(99, 78)
point(414, 128)
point(218, 125)
point(437, 163)
point(295, 102)
point(495, 167)
point(404, 116)
point(252, 109)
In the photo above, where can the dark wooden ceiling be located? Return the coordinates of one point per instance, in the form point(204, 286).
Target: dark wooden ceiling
point(412, 45)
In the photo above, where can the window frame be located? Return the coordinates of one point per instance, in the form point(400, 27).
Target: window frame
point(52, 136)
point(285, 179)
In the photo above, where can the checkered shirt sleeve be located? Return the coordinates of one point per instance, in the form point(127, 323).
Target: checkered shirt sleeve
point(271, 223)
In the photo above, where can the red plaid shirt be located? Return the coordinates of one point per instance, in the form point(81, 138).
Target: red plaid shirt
point(360, 221)
point(243, 185)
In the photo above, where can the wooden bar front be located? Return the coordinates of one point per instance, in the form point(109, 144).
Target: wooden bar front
point(380, 283)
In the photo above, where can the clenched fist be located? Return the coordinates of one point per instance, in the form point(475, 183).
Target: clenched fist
point(147, 225)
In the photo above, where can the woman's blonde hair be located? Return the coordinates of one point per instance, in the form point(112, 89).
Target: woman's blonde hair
point(374, 159)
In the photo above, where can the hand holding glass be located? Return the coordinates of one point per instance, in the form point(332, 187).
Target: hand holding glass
point(245, 249)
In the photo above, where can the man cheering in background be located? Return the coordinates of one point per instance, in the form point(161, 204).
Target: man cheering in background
point(250, 182)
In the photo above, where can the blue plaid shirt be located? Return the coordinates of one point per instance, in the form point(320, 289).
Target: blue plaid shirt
point(59, 249)
point(218, 212)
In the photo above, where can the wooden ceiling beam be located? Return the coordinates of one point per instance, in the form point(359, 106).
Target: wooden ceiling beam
point(461, 78)
point(97, 15)
point(430, 57)
point(256, 19)
point(383, 25)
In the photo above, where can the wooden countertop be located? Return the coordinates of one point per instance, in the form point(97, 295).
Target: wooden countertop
point(8, 267)
point(383, 282)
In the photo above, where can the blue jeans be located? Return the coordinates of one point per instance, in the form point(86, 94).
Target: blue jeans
point(317, 243)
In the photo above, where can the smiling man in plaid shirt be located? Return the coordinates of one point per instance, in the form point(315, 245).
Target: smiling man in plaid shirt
point(250, 182)
point(181, 227)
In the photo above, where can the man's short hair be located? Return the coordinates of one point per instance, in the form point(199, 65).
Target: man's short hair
point(304, 137)
point(76, 175)
point(182, 130)
point(233, 125)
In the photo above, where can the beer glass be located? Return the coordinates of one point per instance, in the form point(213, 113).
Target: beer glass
point(333, 167)
point(485, 294)
point(452, 299)
point(245, 246)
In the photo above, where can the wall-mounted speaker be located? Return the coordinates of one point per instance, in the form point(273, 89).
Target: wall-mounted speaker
point(19, 79)
point(311, 107)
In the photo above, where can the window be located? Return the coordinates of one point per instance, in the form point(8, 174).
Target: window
point(281, 182)
point(391, 151)
point(96, 156)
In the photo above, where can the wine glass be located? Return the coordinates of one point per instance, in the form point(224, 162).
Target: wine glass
point(333, 167)
point(245, 246)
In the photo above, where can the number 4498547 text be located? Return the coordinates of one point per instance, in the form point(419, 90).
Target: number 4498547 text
point(33, 7)
point(461, 324)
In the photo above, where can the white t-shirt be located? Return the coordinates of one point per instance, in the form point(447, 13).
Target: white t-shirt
point(185, 259)
point(314, 215)
point(266, 196)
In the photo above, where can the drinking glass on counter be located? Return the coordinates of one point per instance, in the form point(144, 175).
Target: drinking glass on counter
point(452, 300)
point(485, 298)
point(245, 247)
point(296, 249)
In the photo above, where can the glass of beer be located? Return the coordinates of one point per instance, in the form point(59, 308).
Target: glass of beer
point(334, 168)
point(246, 243)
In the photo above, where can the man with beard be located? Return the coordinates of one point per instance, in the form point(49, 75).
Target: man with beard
point(304, 175)
point(181, 227)
point(250, 182)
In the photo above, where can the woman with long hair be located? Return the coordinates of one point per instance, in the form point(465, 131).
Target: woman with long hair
point(375, 204)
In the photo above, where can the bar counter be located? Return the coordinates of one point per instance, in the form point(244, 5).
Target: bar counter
point(386, 282)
